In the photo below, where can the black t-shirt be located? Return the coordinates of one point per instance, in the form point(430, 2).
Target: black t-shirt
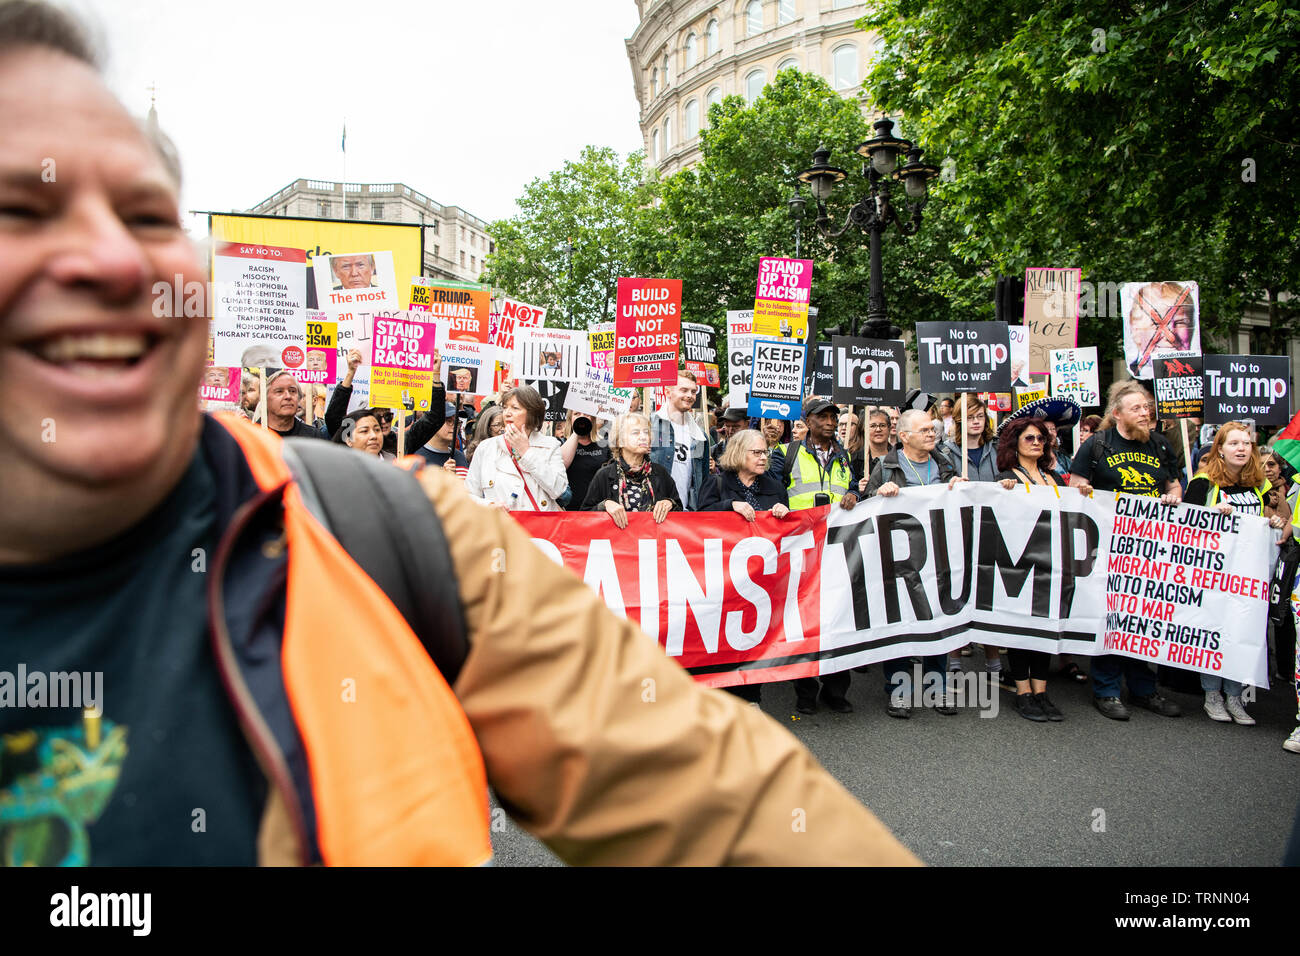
point(1134, 468)
point(1241, 497)
point(170, 779)
point(587, 460)
point(439, 458)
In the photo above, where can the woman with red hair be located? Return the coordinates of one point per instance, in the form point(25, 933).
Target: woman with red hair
point(1231, 478)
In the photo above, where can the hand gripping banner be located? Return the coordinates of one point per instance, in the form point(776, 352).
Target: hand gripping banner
point(927, 572)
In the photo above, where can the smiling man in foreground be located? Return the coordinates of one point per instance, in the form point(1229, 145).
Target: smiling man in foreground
point(264, 700)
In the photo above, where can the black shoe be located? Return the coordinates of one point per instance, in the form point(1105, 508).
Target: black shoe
point(1111, 707)
point(1029, 707)
point(806, 705)
point(838, 704)
point(946, 708)
point(902, 710)
point(1051, 710)
point(1157, 705)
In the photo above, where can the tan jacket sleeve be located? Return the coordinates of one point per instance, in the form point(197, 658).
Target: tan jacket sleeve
point(607, 750)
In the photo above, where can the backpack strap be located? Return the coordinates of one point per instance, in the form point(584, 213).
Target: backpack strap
point(385, 522)
point(791, 453)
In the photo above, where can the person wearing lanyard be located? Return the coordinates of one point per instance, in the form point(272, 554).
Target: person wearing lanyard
point(914, 463)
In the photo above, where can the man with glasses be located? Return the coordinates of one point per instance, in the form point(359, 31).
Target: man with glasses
point(914, 463)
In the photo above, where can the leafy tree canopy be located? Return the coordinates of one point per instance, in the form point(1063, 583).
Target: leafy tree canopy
point(1138, 140)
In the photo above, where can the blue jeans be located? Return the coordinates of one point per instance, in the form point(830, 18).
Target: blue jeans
point(1210, 682)
point(1108, 668)
point(936, 664)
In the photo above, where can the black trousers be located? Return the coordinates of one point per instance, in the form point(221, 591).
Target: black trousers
point(832, 685)
point(1026, 665)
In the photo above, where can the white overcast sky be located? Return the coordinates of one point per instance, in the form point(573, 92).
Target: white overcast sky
point(465, 101)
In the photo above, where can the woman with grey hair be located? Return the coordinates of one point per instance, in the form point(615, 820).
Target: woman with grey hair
point(630, 481)
point(743, 484)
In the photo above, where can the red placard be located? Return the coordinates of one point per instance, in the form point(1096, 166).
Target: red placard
point(647, 331)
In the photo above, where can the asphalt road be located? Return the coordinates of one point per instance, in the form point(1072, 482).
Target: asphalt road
point(1004, 791)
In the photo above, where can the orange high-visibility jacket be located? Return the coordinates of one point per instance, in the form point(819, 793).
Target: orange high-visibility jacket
point(595, 741)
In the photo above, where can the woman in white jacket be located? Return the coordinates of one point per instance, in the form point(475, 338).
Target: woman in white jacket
point(520, 470)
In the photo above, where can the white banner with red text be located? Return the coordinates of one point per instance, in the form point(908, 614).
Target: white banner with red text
point(927, 572)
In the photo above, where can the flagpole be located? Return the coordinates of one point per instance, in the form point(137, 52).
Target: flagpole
point(344, 146)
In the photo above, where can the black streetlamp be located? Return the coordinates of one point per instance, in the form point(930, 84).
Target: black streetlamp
point(874, 212)
point(796, 204)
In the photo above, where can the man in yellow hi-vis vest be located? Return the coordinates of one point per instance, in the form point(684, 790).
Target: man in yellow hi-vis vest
point(817, 472)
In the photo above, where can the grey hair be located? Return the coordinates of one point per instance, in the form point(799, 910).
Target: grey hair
point(908, 418)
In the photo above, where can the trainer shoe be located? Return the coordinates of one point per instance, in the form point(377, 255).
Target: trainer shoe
point(1051, 710)
point(947, 708)
point(1111, 707)
point(900, 709)
point(1238, 712)
point(1214, 707)
point(1292, 743)
point(1156, 704)
point(1030, 709)
point(806, 705)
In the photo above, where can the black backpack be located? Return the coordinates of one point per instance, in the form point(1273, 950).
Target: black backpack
point(384, 520)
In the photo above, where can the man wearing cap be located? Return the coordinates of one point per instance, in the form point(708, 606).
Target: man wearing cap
point(438, 451)
point(817, 471)
point(728, 424)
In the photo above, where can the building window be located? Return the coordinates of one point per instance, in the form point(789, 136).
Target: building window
point(462, 258)
point(789, 63)
point(841, 4)
point(473, 264)
point(844, 67)
point(325, 210)
point(437, 252)
point(754, 18)
point(692, 119)
point(654, 146)
point(376, 210)
point(714, 96)
point(690, 50)
point(785, 11)
point(350, 209)
point(668, 135)
point(711, 38)
point(753, 85)
point(654, 82)
point(492, 247)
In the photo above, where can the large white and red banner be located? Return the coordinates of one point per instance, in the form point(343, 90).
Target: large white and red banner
point(927, 572)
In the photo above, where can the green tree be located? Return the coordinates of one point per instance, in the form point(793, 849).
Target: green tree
point(719, 217)
point(597, 204)
point(1138, 140)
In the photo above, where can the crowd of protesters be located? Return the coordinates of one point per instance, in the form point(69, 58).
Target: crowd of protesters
point(670, 461)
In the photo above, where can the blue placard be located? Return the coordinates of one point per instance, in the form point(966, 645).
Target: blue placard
point(777, 379)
